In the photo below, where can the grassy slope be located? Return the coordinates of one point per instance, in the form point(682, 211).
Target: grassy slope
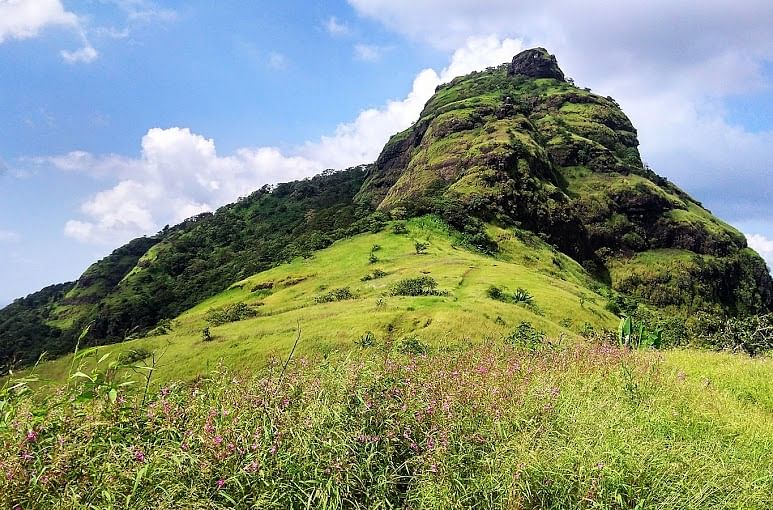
point(466, 316)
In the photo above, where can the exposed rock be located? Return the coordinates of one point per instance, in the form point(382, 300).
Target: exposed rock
point(536, 63)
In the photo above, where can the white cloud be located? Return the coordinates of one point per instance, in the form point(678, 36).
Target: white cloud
point(23, 19)
point(277, 60)
point(336, 28)
point(179, 173)
point(86, 54)
point(368, 52)
point(763, 246)
point(669, 64)
point(9, 236)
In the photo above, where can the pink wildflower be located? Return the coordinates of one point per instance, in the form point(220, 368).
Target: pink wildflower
point(220, 484)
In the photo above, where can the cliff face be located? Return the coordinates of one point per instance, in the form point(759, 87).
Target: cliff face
point(520, 145)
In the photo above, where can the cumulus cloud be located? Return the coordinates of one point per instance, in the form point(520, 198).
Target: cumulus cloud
point(669, 64)
point(763, 246)
point(179, 173)
point(23, 19)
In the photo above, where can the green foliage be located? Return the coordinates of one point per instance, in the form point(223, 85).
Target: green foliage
point(637, 337)
point(341, 294)
point(133, 356)
point(421, 247)
point(399, 228)
point(752, 334)
point(520, 296)
point(230, 313)
point(419, 286)
point(206, 335)
point(412, 345)
point(527, 336)
point(366, 340)
point(375, 275)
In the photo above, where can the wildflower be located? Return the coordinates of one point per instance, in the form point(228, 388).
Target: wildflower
point(139, 455)
point(218, 440)
point(600, 465)
point(165, 391)
point(32, 436)
point(220, 484)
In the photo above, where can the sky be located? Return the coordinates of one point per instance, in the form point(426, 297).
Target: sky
point(118, 117)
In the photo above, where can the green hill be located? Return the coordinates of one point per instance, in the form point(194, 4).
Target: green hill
point(514, 151)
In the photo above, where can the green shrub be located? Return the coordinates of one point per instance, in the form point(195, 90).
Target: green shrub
point(366, 340)
point(206, 336)
point(133, 356)
point(421, 247)
point(419, 286)
point(520, 296)
point(526, 335)
point(375, 275)
point(230, 313)
point(341, 294)
point(399, 228)
point(412, 345)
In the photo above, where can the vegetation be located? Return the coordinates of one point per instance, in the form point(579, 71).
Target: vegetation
point(230, 313)
point(419, 286)
point(580, 426)
point(335, 295)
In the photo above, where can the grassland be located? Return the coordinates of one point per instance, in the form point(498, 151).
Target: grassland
point(577, 426)
point(559, 286)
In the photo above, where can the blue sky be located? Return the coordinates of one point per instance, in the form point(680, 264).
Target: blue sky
point(119, 116)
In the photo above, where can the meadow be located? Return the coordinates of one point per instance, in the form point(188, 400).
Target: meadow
point(586, 425)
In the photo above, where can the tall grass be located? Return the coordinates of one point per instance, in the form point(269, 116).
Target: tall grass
point(582, 426)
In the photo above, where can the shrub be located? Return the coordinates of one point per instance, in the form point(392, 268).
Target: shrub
point(206, 336)
point(375, 275)
point(230, 313)
point(526, 335)
point(399, 228)
point(133, 356)
point(421, 247)
point(520, 296)
point(366, 340)
point(335, 295)
point(419, 286)
point(412, 345)
point(752, 335)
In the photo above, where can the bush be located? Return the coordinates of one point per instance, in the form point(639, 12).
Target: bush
point(420, 286)
point(375, 275)
point(133, 356)
point(206, 336)
point(526, 335)
point(421, 248)
point(366, 340)
point(399, 228)
point(230, 313)
point(335, 295)
point(412, 345)
point(752, 335)
point(520, 296)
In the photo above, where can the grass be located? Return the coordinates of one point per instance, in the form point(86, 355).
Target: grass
point(466, 315)
point(579, 426)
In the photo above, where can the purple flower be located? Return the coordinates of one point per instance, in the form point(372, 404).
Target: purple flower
point(220, 484)
point(139, 455)
point(32, 436)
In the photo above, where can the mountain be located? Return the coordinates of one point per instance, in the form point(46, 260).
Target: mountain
point(520, 166)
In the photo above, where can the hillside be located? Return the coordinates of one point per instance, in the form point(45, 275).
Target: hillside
point(289, 295)
point(512, 149)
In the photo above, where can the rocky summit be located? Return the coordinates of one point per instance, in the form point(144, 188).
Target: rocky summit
point(536, 63)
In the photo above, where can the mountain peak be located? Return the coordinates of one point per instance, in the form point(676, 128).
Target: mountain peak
point(536, 63)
